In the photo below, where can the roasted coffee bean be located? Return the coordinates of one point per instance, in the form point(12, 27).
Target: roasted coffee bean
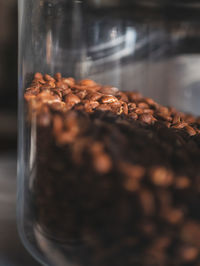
point(146, 118)
point(90, 105)
point(122, 96)
point(109, 99)
point(104, 107)
point(102, 163)
point(161, 176)
point(69, 81)
point(133, 115)
point(180, 125)
point(139, 111)
point(131, 107)
point(182, 182)
point(58, 76)
point(190, 130)
point(87, 82)
point(109, 90)
point(72, 99)
point(94, 96)
point(148, 111)
point(164, 116)
point(38, 76)
point(143, 105)
point(188, 253)
point(176, 119)
point(81, 94)
point(49, 78)
point(134, 96)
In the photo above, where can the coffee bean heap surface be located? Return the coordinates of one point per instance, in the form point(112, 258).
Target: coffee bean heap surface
point(117, 174)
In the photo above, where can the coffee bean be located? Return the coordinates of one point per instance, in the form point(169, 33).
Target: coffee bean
point(87, 82)
point(180, 125)
point(146, 118)
point(190, 130)
point(58, 76)
point(94, 96)
point(72, 99)
point(104, 107)
point(160, 176)
point(69, 81)
point(102, 163)
point(109, 90)
point(48, 78)
point(143, 105)
point(133, 115)
point(109, 99)
point(38, 76)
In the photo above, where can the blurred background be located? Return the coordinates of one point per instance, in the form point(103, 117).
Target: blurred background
point(12, 252)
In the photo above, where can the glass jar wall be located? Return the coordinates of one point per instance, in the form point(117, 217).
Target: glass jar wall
point(108, 170)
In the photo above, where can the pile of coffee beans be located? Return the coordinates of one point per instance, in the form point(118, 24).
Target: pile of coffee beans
point(117, 174)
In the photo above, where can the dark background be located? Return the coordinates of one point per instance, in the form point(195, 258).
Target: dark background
point(12, 252)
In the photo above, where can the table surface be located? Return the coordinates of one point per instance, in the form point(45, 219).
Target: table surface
point(12, 252)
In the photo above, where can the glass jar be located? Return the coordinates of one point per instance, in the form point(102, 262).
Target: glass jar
point(108, 169)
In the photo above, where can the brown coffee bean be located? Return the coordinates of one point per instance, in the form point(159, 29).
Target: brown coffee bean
point(133, 116)
point(109, 90)
point(176, 119)
point(150, 101)
point(87, 88)
point(122, 96)
point(48, 78)
point(109, 99)
point(29, 97)
point(104, 107)
point(58, 106)
point(190, 130)
point(125, 108)
point(164, 117)
point(148, 111)
point(131, 107)
point(146, 118)
point(58, 93)
point(138, 111)
point(134, 96)
point(51, 84)
point(32, 91)
point(69, 81)
point(143, 105)
point(116, 107)
point(190, 119)
point(87, 82)
point(132, 171)
point(102, 163)
point(161, 176)
point(94, 96)
point(81, 94)
point(174, 216)
point(163, 110)
point(38, 76)
point(90, 105)
point(180, 125)
point(58, 76)
point(188, 253)
point(72, 99)
point(182, 182)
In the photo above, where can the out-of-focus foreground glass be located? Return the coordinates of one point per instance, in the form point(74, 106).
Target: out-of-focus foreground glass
point(109, 141)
